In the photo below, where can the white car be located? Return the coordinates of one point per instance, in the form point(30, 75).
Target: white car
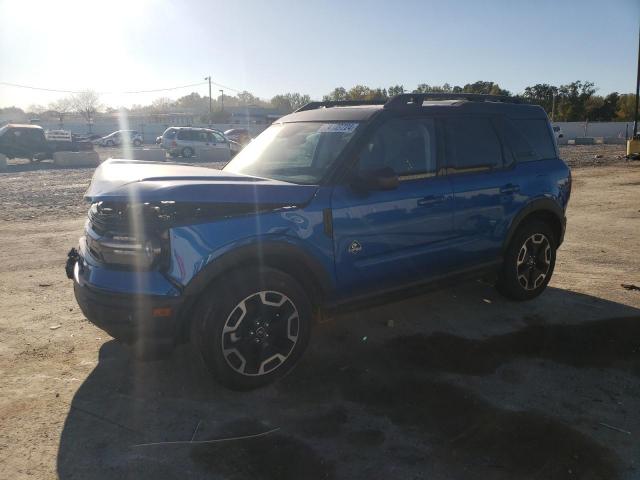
point(119, 137)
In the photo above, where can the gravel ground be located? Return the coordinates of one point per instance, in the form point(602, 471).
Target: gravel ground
point(461, 384)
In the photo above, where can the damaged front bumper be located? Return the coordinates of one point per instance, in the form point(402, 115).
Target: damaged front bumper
point(135, 308)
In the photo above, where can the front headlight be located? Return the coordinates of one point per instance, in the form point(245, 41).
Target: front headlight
point(122, 235)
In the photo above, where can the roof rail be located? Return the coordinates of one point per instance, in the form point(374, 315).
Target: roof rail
point(416, 99)
point(339, 103)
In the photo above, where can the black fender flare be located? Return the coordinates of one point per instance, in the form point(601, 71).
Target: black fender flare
point(539, 205)
point(282, 255)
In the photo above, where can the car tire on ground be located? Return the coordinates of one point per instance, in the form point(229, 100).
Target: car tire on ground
point(252, 327)
point(528, 262)
point(187, 152)
point(137, 143)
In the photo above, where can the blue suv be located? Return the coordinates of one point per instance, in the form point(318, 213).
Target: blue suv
point(336, 204)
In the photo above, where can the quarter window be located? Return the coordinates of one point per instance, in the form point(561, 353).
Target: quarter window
point(472, 145)
point(407, 145)
point(537, 133)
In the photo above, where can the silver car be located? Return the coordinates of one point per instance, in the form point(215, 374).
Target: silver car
point(121, 137)
point(205, 143)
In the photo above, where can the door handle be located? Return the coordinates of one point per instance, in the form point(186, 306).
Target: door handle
point(431, 200)
point(509, 189)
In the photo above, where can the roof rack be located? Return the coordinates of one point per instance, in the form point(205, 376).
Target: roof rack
point(410, 100)
point(416, 99)
point(339, 103)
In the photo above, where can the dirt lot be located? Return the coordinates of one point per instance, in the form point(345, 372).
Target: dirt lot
point(463, 384)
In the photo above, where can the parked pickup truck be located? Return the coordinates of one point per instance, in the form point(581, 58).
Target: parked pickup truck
point(30, 141)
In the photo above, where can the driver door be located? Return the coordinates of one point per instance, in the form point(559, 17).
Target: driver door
point(387, 239)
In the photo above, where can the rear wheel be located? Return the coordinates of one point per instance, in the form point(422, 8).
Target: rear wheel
point(529, 262)
point(187, 152)
point(252, 327)
point(137, 143)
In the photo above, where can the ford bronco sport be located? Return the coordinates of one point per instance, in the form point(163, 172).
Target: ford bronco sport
point(335, 204)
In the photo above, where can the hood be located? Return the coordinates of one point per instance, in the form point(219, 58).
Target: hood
point(140, 181)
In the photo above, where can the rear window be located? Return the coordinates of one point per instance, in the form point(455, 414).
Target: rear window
point(533, 140)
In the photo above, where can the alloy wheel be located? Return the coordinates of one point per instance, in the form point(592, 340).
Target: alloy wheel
point(260, 333)
point(534, 261)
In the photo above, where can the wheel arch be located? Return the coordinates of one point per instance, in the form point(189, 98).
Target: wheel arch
point(286, 257)
point(544, 209)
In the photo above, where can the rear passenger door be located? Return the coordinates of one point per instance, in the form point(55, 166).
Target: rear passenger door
point(484, 187)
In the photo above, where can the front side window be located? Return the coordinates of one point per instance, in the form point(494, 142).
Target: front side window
point(299, 152)
point(472, 144)
point(407, 145)
point(217, 138)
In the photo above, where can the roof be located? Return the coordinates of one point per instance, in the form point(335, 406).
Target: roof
point(22, 125)
point(413, 103)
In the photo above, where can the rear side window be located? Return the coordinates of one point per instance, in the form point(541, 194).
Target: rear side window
point(472, 145)
point(538, 137)
point(188, 135)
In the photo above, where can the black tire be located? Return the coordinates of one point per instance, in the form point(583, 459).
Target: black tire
point(260, 346)
point(187, 152)
point(137, 143)
point(528, 262)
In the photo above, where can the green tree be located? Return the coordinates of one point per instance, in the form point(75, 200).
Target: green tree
point(541, 94)
point(486, 88)
point(426, 88)
point(626, 107)
point(395, 90)
point(338, 93)
point(571, 105)
point(288, 102)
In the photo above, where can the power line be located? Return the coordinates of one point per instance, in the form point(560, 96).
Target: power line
point(54, 90)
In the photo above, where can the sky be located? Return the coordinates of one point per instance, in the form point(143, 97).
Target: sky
point(310, 46)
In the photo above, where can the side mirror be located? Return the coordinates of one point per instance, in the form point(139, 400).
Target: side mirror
point(376, 179)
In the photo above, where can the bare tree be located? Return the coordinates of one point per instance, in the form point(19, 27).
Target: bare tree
point(162, 105)
point(35, 109)
point(86, 104)
point(62, 107)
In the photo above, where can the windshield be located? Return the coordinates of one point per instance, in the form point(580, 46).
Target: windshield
point(294, 152)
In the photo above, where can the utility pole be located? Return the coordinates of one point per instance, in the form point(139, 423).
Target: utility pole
point(633, 145)
point(635, 118)
point(222, 100)
point(210, 104)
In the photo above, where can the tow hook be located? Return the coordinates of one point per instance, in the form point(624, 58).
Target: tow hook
point(72, 258)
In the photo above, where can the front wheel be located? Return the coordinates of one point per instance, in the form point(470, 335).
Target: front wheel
point(529, 262)
point(137, 143)
point(187, 152)
point(252, 327)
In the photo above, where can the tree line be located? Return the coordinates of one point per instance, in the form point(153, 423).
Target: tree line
point(575, 101)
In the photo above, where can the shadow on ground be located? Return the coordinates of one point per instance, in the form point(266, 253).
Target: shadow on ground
point(384, 405)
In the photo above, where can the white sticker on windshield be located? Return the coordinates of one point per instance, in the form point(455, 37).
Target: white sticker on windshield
point(337, 127)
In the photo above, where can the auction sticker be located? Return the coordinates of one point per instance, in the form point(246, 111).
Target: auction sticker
point(337, 127)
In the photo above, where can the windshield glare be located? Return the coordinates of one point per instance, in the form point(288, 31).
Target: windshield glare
point(294, 152)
